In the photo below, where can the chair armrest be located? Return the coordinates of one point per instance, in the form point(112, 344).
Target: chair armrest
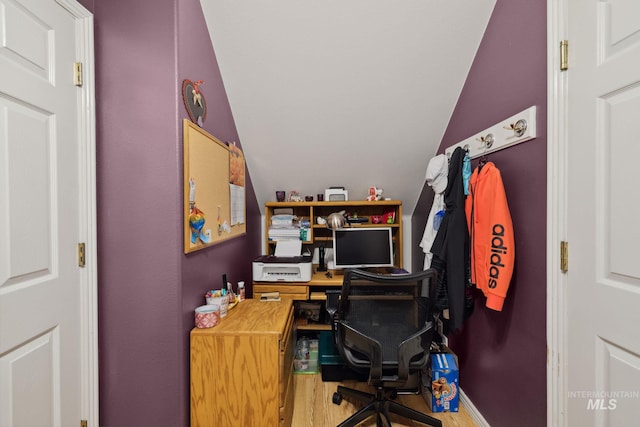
point(414, 346)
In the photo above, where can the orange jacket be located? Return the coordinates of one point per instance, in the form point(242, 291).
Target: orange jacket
point(491, 231)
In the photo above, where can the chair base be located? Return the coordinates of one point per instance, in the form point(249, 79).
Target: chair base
point(379, 404)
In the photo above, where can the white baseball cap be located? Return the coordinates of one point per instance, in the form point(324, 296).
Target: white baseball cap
point(437, 172)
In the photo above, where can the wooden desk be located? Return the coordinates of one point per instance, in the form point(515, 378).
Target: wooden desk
point(242, 369)
point(300, 290)
point(314, 290)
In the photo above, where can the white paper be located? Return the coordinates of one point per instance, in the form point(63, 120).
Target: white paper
point(288, 248)
point(237, 204)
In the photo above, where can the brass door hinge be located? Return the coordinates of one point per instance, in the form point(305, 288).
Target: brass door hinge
point(81, 255)
point(77, 73)
point(564, 55)
point(564, 256)
point(83, 423)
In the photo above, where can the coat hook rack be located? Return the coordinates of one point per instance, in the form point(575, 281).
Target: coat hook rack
point(518, 128)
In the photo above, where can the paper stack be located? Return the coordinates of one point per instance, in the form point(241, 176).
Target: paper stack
point(287, 227)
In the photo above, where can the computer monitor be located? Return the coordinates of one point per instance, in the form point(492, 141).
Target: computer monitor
point(362, 247)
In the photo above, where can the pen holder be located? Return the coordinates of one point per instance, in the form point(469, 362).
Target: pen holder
point(207, 316)
point(222, 302)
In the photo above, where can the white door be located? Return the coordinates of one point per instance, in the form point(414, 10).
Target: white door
point(603, 213)
point(46, 327)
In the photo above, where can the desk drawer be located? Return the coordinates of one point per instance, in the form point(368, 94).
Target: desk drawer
point(286, 410)
point(295, 292)
point(287, 350)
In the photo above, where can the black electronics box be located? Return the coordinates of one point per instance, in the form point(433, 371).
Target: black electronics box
point(332, 365)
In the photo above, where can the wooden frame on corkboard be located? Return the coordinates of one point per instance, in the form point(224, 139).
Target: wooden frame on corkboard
point(214, 198)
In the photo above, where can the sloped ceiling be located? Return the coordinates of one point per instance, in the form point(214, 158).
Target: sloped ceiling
point(352, 93)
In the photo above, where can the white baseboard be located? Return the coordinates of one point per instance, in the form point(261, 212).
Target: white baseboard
point(472, 410)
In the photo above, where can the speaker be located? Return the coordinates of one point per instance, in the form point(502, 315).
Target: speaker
point(321, 266)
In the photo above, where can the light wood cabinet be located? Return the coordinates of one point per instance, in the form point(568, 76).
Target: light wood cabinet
point(242, 369)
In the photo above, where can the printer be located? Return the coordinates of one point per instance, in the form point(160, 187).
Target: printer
point(270, 268)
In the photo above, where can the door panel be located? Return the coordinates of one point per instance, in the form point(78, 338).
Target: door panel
point(618, 371)
point(27, 39)
point(619, 115)
point(40, 166)
point(33, 371)
point(28, 223)
point(603, 230)
point(619, 26)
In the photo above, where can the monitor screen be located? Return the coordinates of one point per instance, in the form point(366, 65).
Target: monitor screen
point(363, 247)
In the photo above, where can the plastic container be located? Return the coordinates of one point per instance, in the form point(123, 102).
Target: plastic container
point(306, 357)
point(222, 302)
point(241, 291)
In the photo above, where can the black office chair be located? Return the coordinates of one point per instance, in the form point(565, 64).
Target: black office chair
point(383, 327)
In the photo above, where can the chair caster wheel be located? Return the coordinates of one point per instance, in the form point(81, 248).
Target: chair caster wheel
point(337, 398)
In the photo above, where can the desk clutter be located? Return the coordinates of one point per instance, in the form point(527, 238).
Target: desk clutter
point(218, 304)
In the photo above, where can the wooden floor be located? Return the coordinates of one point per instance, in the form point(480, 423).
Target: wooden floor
point(313, 406)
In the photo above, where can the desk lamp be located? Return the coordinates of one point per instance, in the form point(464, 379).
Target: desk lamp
point(334, 221)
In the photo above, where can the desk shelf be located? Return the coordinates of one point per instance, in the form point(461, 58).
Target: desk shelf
point(314, 327)
point(317, 296)
point(318, 235)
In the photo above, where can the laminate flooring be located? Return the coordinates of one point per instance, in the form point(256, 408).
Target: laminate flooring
point(313, 406)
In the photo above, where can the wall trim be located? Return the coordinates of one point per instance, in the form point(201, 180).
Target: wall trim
point(472, 410)
point(557, 145)
point(87, 212)
point(407, 243)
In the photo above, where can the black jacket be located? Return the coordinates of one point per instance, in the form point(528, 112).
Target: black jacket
point(451, 245)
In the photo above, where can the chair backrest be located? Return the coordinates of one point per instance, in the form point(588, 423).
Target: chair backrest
point(383, 324)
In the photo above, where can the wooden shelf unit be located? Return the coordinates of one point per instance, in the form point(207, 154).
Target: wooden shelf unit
point(320, 234)
point(314, 290)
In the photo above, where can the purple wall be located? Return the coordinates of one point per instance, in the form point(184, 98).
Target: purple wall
point(503, 354)
point(203, 269)
point(148, 288)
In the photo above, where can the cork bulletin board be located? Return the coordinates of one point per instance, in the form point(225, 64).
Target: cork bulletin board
point(214, 189)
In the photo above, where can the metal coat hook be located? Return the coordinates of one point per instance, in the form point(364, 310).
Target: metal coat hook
point(518, 127)
point(465, 148)
point(487, 141)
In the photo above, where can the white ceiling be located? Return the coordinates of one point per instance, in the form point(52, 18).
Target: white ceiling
point(352, 93)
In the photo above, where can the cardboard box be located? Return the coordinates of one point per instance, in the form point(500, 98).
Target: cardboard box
point(440, 384)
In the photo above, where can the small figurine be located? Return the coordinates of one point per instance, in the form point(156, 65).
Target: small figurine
point(375, 194)
point(197, 95)
point(294, 196)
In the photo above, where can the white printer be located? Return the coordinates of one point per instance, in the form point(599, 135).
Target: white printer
point(270, 268)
